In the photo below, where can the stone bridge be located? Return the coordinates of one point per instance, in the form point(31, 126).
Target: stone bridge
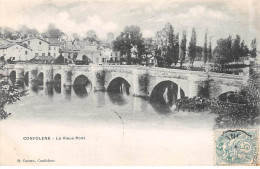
point(142, 80)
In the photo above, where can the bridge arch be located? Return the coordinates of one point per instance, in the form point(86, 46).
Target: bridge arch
point(82, 85)
point(119, 85)
point(166, 92)
point(57, 78)
point(57, 83)
point(13, 76)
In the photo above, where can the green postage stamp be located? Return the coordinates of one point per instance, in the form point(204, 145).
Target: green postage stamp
point(236, 147)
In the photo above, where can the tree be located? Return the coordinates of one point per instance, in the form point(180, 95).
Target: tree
point(52, 32)
point(149, 49)
point(222, 52)
point(168, 34)
point(176, 49)
point(25, 32)
point(192, 46)
point(130, 38)
point(168, 44)
point(75, 36)
point(205, 50)
point(9, 33)
point(253, 51)
point(91, 37)
point(160, 49)
point(183, 48)
point(236, 52)
point(209, 51)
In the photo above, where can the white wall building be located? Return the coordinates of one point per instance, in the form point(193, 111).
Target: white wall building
point(16, 52)
point(54, 50)
point(39, 46)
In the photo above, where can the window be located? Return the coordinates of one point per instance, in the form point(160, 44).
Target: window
point(49, 48)
point(26, 52)
point(40, 43)
point(36, 54)
point(29, 42)
point(13, 58)
point(43, 54)
point(54, 54)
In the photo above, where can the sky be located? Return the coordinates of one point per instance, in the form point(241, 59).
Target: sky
point(220, 17)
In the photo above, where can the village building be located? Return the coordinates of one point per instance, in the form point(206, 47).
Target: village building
point(16, 52)
point(54, 47)
point(40, 47)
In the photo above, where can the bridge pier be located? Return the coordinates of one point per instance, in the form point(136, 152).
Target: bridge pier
point(19, 74)
point(98, 78)
point(140, 82)
point(33, 71)
point(66, 77)
point(47, 74)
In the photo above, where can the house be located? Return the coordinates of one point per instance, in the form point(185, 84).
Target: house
point(40, 47)
point(16, 52)
point(54, 47)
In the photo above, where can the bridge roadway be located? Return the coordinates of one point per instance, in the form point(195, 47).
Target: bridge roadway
point(142, 80)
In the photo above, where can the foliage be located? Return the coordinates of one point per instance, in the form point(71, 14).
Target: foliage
point(168, 44)
point(236, 52)
point(243, 107)
point(253, 85)
point(9, 33)
point(193, 104)
point(205, 50)
point(209, 52)
point(25, 32)
point(131, 38)
point(183, 48)
point(149, 49)
point(234, 114)
point(52, 32)
point(176, 49)
point(8, 94)
point(204, 89)
point(192, 47)
point(222, 52)
point(91, 37)
point(253, 51)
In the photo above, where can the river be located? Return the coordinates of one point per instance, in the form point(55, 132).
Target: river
point(118, 129)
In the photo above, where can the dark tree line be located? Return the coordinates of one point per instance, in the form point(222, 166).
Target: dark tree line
point(231, 50)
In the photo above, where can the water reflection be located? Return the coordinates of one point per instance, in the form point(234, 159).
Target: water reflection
point(127, 102)
point(119, 85)
point(49, 89)
point(67, 92)
point(118, 98)
point(26, 79)
point(80, 91)
point(34, 86)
